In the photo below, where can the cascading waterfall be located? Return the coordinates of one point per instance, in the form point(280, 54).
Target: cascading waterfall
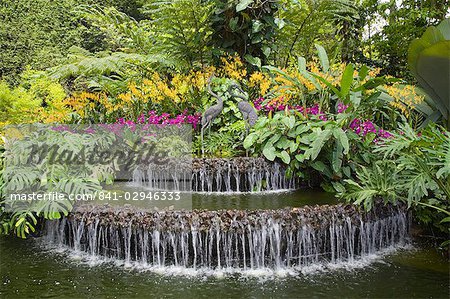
point(276, 239)
point(216, 175)
point(171, 176)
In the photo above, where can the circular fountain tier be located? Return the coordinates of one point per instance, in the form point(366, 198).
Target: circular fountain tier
point(239, 239)
point(240, 174)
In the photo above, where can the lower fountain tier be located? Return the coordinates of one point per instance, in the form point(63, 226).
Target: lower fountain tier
point(237, 239)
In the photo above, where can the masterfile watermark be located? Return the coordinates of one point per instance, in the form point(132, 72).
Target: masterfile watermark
point(98, 195)
point(54, 167)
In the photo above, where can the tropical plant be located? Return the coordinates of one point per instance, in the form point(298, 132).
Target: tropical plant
point(413, 168)
point(104, 71)
point(246, 28)
point(224, 143)
point(39, 35)
point(36, 99)
point(16, 105)
point(38, 159)
point(429, 61)
point(182, 30)
point(301, 23)
point(390, 26)
point(334, 145)
point(225, 135)
point(331, 86)
point(72, 162)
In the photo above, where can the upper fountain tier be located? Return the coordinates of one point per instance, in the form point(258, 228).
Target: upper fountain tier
point(241, 174)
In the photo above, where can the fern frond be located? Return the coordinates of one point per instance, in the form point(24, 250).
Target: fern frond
point(125, 31)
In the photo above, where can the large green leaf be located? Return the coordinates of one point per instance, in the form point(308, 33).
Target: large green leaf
point(429, 61)
point(328, 84)
point(250, 140)
point(269, 152)
point(444, 28)
point(285, 157)
point(243, 5)
point(253, 60)
point(301, 61)
point(433, 67)
point(319, 142)
point(336, 162)
point(342, 138)
point(323, 58)
point(346, 81)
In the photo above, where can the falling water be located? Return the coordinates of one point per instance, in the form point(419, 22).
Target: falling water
point(276, 239)
point(217, 175)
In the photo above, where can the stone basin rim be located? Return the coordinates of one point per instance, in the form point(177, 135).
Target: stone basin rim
point(130, 208)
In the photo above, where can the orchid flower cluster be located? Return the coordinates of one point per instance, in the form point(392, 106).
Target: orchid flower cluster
point(274, 106)
point(363, 128)
point(164, 119)
point(341, 108)
point(359, 126)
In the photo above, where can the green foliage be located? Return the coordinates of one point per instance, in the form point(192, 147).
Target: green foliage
point(14, 103)
point(224, 137)
point(323, 142)
point(377, 181)
point(72, 161)
point(173, 34)
point(104, 71)
point(182, 29)
point(38, 33)
point(246, 27)
point(413, 168)
point(429, 61)
point(223, 144)
point(386, 45)
point(20, 104)
point(22, 173)
point(355, 87)
point(304, 22)
point(302, 143)
point(122, 32)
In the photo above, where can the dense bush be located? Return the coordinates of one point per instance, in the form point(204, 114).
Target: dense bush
point(412, 167)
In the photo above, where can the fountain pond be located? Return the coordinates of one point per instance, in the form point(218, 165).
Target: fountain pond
point(35, 268)
point(232, 244)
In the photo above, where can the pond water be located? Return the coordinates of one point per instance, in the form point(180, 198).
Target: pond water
point(28, 270)
point(267, 200)
point(233, 200)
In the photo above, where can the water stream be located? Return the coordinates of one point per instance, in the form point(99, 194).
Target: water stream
point(216, 175)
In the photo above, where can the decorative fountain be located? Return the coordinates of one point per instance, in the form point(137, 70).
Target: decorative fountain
point(237, 239)
point(232, 239)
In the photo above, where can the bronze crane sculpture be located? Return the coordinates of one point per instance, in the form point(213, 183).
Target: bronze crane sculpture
point(212, 112)
point(247, 110)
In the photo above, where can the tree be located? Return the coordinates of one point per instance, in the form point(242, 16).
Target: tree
point(39, 33)
point(307, 21)
point(401, 22)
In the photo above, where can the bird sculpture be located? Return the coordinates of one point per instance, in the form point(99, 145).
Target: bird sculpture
point(212, 112)
point(247, 110)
